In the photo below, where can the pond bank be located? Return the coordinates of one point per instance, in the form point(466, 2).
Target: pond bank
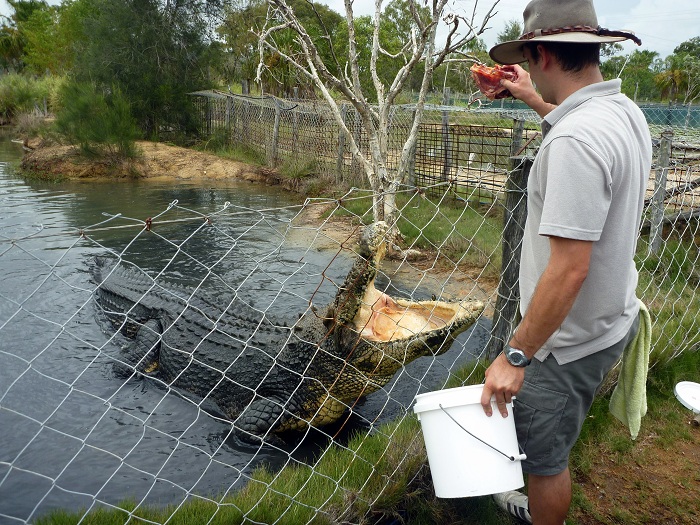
point(157, 161)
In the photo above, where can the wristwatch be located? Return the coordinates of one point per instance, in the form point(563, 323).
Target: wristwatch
point(516, 357)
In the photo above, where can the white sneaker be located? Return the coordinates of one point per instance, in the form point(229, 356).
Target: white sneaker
point(515, 503)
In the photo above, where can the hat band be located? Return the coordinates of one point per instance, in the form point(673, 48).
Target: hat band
point(599, 31)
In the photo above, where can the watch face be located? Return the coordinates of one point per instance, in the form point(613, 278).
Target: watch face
point(516, 357)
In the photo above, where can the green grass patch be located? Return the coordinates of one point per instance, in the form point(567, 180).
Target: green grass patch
point(446, 225)
point(220, 145)
point(371, 474)
point(668, 284)
point(602, 433)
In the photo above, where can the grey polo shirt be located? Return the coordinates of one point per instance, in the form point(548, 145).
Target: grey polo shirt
point(588, 182)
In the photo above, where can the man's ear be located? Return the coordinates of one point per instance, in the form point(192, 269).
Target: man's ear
point(546, 57)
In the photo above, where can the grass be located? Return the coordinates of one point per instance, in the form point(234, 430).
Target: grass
point(384, 475)
point(219, 143)
point(460, 232)
point(604, 441)
point(367, 475)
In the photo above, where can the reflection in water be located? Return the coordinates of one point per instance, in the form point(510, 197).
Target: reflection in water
point(79, 435)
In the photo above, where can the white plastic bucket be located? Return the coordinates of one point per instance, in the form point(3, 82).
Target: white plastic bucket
point(469, 453)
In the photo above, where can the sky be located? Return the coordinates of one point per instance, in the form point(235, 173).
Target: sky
point(661, 24)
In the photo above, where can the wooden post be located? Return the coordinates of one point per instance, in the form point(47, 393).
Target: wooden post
point(295, 132)
point(447, 158)
point(245, 115)
point(228, 117)
point(659, 197)
point(514, 215)
point(209, 119)
point(235, 136)
point(340, 161)
point(517, 143)
point(275, 134)
point(412, 156)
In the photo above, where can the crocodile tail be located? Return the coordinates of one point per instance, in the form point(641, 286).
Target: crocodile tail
point(101, 268)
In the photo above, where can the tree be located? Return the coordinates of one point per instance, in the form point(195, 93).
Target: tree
point(156, 52)
point(244, 18)
point(637, 73)
point(418, 46)
point(689, 47)
point(239, 41)
point(511, 31)
point(53, 35)
point(680, 78)
point(12, 37)
point(99, 121)
point(610, 50)
point(680, 74)
point(395, 23)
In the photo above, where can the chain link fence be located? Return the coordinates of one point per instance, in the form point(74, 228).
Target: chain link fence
point(92, 425)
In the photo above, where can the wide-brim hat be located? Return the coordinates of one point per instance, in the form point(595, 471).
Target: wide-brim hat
point(572, 21)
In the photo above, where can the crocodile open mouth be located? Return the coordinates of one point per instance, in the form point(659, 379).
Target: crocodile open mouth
point(378, 317)
point(382, 318)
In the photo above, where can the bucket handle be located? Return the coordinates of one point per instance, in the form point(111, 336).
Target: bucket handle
point(519, 457)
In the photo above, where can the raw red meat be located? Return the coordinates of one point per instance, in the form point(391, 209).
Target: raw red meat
point(488, 80)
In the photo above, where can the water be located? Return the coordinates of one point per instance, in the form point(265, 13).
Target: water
point(74, 435)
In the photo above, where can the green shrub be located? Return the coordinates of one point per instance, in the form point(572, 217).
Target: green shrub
point(21, 94)
point(100, 122)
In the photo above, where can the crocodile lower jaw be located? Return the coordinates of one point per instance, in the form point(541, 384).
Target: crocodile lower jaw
point(384, 319)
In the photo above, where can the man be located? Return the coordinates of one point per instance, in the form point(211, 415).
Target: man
point(577, 275)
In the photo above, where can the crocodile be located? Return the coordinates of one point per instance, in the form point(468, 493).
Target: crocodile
point(271, 377)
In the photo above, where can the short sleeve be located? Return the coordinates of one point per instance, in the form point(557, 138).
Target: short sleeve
point(577, 190)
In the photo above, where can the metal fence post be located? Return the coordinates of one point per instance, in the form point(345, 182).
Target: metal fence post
point(514, 215)
point(659, 197)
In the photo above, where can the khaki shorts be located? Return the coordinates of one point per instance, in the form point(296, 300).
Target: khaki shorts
point(553, 403)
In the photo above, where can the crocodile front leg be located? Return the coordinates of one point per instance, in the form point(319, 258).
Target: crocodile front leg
point(142, 355)
point(259, 419)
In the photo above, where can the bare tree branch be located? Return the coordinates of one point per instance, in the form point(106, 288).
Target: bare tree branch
point(419, 46)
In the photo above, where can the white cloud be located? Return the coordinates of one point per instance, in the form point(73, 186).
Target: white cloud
point(660, 24)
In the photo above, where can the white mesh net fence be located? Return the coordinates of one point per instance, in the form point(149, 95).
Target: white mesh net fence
point(216, 280)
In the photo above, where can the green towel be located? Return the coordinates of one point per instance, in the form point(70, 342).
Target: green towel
point(629, 399)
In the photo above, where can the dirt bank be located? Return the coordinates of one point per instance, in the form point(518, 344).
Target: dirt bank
point(156, 161)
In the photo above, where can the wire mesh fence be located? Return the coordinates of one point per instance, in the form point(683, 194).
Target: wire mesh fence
point(178, 362)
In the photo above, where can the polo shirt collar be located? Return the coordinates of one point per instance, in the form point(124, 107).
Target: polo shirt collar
point(599, 89)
